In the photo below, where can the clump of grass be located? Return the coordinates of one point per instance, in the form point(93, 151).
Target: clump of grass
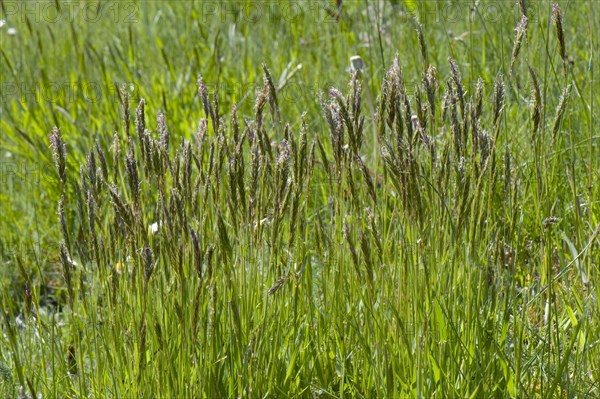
point(261, 256)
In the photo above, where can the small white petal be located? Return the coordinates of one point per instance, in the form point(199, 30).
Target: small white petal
point(153, 228)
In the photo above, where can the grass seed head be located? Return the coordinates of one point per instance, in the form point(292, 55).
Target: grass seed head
point(140, 118)
point(367, 177)
point(520, 35)
point(84, 180)
point(91, 205)
point(279, 284)
point(116, 151)
point(537, 102)
point(557, 16)
point(478, 99)
point(522, 7)
point(421, 109)
point(59, 153)
point(91, 170)
point(163, 130)
point(560, 109)
point(80, 204)
point(422, 44)
point(431, 83)
point(132, 174)
point(460, 90)
point(203, 93)
point(272, 93)
point(148, 262)
point(125, 103)
point(498, 99)
point(235, 126)
point(103, 165)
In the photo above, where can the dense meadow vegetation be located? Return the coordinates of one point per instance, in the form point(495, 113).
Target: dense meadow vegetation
point(303, 199)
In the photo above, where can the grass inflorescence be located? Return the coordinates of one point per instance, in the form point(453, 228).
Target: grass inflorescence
point(397, 239)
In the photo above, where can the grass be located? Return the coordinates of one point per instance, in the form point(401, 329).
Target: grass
point(199, 204)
